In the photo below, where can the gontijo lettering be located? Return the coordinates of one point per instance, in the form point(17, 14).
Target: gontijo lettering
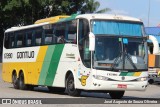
point(25, 54)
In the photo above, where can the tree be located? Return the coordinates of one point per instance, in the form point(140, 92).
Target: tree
point(25, 12)
point(92, 6)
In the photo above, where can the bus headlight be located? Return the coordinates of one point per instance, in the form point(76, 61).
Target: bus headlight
point(142, 79)
point(99, 77)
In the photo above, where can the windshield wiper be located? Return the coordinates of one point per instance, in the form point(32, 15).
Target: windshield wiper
point(125, 56)
point(116, 60)
point(129, 58)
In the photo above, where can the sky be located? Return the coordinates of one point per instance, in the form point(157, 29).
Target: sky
point(135, 8)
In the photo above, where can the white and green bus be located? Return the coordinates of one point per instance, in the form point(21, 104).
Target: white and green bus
point(89, 52)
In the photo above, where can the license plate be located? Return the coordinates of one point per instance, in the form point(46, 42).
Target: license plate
point(121, 86)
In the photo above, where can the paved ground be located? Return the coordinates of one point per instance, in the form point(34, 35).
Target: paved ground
point(7, 91)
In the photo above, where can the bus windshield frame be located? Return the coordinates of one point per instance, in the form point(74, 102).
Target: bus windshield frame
point(124, 59)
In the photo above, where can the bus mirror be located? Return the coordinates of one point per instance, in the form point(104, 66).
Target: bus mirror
point(91, 41)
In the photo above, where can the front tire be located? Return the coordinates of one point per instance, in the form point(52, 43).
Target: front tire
point(70, 87)
point(116, 94)
point(15, 81)
point(22, 84)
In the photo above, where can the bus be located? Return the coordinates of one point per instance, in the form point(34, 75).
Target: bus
point(153, 60)
point(82, 52)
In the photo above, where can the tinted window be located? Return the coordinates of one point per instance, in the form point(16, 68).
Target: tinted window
point(38, 37)
point(29, 39)
point(60, 32)
point(83, 41)
point(20, 40)
point(6, 44)
point(48, 36)
point(71, 31)
point(12, 41)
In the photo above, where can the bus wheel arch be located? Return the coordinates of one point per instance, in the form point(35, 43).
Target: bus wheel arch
point(22, 79)
point(70, 84)
point(66, 76)
point(15, 79)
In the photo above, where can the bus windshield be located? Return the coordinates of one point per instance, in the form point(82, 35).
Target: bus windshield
point(114, 51)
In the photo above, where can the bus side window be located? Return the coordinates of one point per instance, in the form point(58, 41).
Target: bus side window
point(38, 37)
point(29, 40)
point(48, 36)
point(6, 44)
point(60, 32)
point(20, 40)
point(71, 31)
point(11, 41)
point(83, 42)
point(54, 35)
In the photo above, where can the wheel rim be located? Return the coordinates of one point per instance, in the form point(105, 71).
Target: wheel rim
point(71, 85)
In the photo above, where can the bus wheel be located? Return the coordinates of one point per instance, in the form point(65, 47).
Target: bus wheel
point(56, 89)
point(70, 88)
point(22, 84)
point(116, 94)
point(15, 81)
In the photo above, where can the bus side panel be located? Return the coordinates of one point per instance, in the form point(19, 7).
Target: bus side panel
point(63, 60)
point(9, 67)
point(50, 65)
point(31, 67)
point(70, 61)
point(35, 68)
point(6, 75)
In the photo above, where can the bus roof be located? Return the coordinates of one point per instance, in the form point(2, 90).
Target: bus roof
point(89, 17)
point(64, 18)
point(51, 19)
point(12, 29)
point(109, 17)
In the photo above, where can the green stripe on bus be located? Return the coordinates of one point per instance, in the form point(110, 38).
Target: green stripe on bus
point(130, 74)
point(123, 74)
point(54, 64)
point(46, 63)
point(72, 17)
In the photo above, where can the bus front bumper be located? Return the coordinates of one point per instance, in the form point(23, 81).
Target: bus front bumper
point(118, 85)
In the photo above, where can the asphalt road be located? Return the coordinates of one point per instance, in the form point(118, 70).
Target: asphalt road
point(7, 91)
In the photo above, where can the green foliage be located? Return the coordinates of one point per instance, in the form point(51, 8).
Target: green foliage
point(25, 12)
point(92, 6)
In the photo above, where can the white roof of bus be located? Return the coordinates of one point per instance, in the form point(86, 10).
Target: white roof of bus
point(86, 16)
point(25, 27)
point(108, 16)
